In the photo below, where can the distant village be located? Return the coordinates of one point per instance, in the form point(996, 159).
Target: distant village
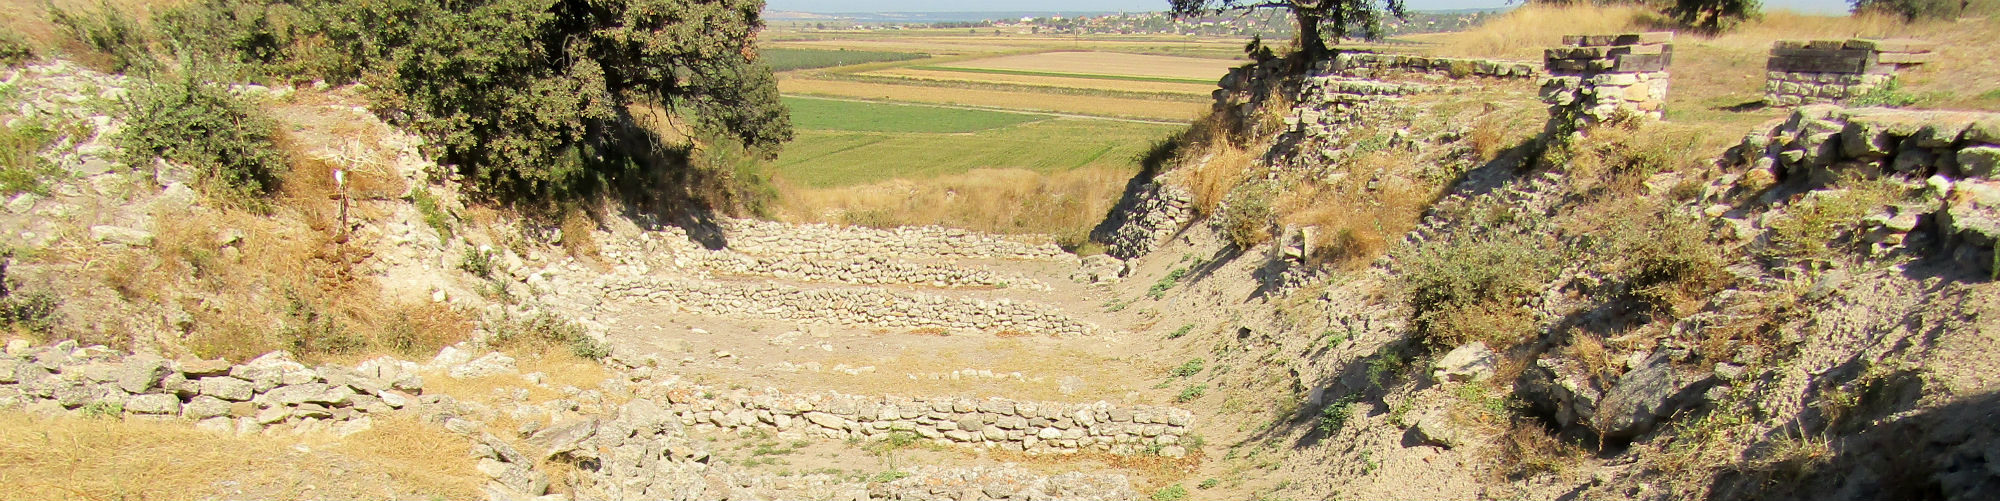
point(1270, 22)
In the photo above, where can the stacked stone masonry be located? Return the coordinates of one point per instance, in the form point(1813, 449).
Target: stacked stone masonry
point(1951, 156)
point(858, 307)
point(1375, 66)
point(1831, 71)
point(994, 423)
point(1597, 78)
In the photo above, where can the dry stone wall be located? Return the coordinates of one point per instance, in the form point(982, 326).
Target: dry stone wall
point(1597, 78)
point(993, 423)
point(1375, 66)
point(858, 307)
point(1144, 218)
point(1823, 71)
point(1954, 154)
point(756, 237)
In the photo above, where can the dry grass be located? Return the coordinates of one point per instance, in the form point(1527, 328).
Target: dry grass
point(1211, 178)
point(1524, 32)
point(31, 19)
point(72, 458)
point(1034, 101)
point(1107, 63)
point(1356, 223)
point(1065, 204)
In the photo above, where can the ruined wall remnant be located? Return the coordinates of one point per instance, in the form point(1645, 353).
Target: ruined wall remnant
point(1373, 65)
point(1594, 78)
point(1831, 71)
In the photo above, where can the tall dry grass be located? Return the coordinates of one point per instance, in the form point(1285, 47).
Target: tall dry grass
point(1064, 204)
point(1524, 32)
point(80, 458)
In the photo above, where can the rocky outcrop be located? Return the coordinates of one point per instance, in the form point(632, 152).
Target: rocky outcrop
point(1953, 154)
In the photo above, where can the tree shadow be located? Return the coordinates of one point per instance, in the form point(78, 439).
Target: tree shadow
point(1945, 452)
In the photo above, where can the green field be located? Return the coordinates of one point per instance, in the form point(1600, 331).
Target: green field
point(821, 158)
point(805, 59)
point(1093, 76)
point(857, 116)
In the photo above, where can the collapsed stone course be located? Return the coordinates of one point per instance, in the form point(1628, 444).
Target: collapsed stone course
point(1596, 78)
point(1144, 218)
point(1823, 71)
point(866, 308)
point(756, 237)
point(267, 392)
point(994, 423)
point(1954, 154)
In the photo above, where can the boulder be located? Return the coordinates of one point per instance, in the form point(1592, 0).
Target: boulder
point(565, 438)
point(121, 235)
point(153, 403)
point(1472, 362)
point(140, 373)
point(1646, 395)
point(227, 388)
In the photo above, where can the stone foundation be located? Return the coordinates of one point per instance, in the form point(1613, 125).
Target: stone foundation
point(1596, 78)
point(1833, 71)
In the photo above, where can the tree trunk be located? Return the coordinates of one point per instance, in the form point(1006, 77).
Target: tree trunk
point(1311, 44)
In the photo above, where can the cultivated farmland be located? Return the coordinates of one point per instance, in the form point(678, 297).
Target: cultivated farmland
point(942, 74)
point(1149, 109)
point(783, 59)
point(843, 143)
point(1107, 63)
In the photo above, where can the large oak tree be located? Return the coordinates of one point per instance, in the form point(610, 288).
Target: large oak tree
point(1318, 19)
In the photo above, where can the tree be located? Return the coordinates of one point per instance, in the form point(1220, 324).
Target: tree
point(1914, 9)
point(1712, 16)
point(1317, 19)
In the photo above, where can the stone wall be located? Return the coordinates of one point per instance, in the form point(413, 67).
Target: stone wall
point(856, 307)
point(1374, 66)
point(1149, 213)
point(993, 423)
point(1823, 71)
point(1596, 78)
point(1954, 154)
point(752, 236)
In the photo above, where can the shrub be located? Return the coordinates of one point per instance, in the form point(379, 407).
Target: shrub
point(1713, 16)
point(14, 50)
point(434, 215)
point(117, 41)
point(477, 261)
point(1183, 331)
point(1471, 287)
point(226, 139)
point(1248, 216)
point(34, 311)
point(1816, 227)
point(1912, 9)
point(1671, 262)
point(1171, 493)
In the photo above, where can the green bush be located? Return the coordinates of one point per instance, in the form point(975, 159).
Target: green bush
point(1192, 367)
point(110, 32)
point(1912, 9)
point(1817, 227)
point(1713, 16)
point(1191, 392)
point(1247, 216)
point(1472, 286)
point(227, 140)
point(1333, 417)
point(1171, 493)
point(1670, 260)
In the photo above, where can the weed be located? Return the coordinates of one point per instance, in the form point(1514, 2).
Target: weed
point(1813, 228)
point(1160, 288)
point(1190, 368)
point(1209, 483)
point(1190, 393)
point(887, 476)
point(434, 216)
point(1387, 366)
point(1183, 331)
point(1368, 463)
point(308, 329)
point(1472, 287)
point(1890, 94)
point(1332, 338)
point(478, 261)
point(22, 168)
point(1248, 217)
point(1528, 450)
point(1671, 263)
point(1334, 415)
point(1171, 493)
point(103, 409)
point(34, 311)
point(548, 330)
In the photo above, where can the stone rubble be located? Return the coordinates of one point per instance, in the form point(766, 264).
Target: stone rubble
point(867, 308)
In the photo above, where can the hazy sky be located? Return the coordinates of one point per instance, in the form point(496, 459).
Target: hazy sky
point(1809, 6)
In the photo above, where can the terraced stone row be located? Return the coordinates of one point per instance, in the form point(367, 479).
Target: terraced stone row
point(993, 423)
point(865, 308)
point(920, 242)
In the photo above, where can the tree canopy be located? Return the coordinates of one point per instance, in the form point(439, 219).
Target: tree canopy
point(1317, 19)
point(528, 98)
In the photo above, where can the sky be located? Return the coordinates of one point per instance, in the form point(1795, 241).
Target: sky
point(1805, 6)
